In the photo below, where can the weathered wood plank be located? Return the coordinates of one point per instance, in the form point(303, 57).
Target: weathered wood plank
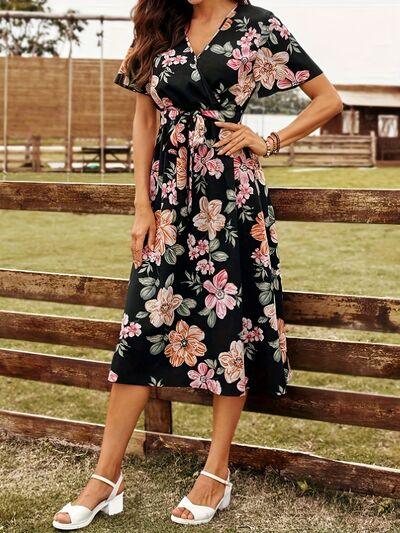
point(311, 403)
point(317, 355)
point(323, 205)
point(292, 465)
point(343, 407)
point(328, 310)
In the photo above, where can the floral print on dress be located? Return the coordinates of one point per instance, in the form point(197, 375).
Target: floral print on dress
point(205, 308)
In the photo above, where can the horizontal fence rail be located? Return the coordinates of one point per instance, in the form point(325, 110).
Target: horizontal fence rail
point(327, 405)
point(377, 206)
point(292, 465)
point(328, 310)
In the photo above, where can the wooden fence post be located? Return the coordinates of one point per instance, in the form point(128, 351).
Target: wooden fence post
point(36, 162)
point(158, 416)
point(373, 148)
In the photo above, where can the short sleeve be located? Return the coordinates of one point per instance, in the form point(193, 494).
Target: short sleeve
point(281, 63)
point(124, 77)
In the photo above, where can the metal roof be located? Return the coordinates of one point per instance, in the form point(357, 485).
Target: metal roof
point(369, 95)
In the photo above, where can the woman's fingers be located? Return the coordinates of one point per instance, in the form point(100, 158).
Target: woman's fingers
point(137, 248)
point(232, 146)
point(151, 240)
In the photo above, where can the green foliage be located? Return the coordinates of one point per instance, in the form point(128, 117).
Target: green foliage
point(36, 37)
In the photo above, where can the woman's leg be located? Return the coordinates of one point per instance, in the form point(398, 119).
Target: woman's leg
point(207, 491)
point(126, 402)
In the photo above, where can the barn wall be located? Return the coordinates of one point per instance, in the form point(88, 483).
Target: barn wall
point(38, 98)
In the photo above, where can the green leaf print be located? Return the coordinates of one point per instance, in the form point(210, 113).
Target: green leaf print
point(148, 292)
point(214, 245)
point(220, 256)
point(169, 281)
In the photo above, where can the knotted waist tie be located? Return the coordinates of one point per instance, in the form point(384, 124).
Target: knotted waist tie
point(194, 132)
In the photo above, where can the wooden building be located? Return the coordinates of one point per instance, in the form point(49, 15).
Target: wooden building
point(370, 108)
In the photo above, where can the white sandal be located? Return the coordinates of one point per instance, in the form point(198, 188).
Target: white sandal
point(82, 516)
point(202, 514)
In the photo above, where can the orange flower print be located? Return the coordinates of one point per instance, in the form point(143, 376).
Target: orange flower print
point(185, 344)
point(270, 312)
point(162, 308)
point(181, 168)
point(259, 232)
point(210, 218)
point(165, 230)
point(282, 339)
point(233, 361)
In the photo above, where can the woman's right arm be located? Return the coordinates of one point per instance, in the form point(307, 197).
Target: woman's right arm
point(145, 127)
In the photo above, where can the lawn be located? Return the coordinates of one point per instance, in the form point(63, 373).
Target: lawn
point(340, 258)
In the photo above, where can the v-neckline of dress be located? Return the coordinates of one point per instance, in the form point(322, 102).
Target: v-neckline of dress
point(217, 31)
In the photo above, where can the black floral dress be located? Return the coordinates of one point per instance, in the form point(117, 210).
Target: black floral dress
point(204, 309)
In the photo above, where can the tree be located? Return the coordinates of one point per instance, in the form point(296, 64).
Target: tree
point(36, 37)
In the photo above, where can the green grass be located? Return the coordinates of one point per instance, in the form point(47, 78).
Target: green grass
point(339, 258)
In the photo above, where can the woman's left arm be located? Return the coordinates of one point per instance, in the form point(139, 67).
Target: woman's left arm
point(325, 104)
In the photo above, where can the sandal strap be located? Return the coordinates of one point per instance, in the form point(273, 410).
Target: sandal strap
point(104, 479)
point(217, 478)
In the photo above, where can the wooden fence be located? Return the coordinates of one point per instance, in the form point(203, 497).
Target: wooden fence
point(307, 354)
point(328, 151)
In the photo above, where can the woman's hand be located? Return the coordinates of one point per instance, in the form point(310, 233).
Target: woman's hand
point(143, 225)
point(238, 137)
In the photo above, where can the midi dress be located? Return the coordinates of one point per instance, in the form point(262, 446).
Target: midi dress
point(205, 308)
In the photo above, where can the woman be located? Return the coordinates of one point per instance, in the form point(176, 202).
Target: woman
point(204, 301)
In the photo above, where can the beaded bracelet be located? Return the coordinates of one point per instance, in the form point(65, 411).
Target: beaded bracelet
point(276, 144)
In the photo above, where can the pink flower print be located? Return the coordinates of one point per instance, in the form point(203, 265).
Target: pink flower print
point(112, 376)
point(245, 191)
point(204, 162)
point(243, 168)
point(181, 168)
point(242, 59)
point(194, 253)
point(258, 334)
point(129, 329)
point(274, 24)
point(205, 267)
point(210, 218)
point(162, 308)
point(168, 190)
point(191, 240)
point(270, 312)
point(284, 32)
point(247, 323)
point(215, 167)
point(165, 230)
point(242, 385)
point(269, 67)
point(177, 60)
point(249, 36)
point(202, 379)
point(233, 361)
point(292, 79)
point(262, 257)
point(153, 256)
point(221, 293)
point(203, 246)
point(177, 136)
